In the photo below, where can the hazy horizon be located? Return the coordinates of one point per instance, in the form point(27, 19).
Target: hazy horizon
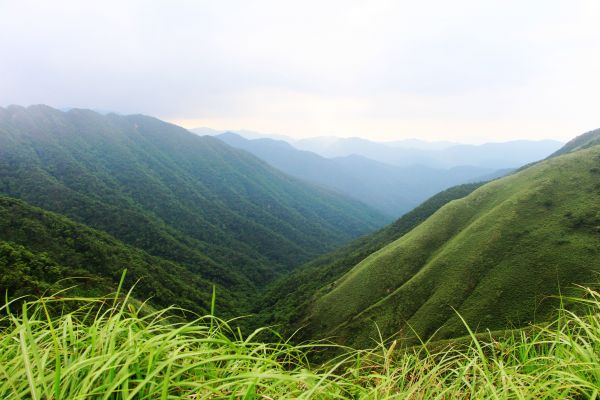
point(466, 71)
point(251, 134)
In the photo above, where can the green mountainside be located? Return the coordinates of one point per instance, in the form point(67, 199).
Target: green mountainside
point(288, 297)
point(583, 141)
point(495, 256)
point(219, 213)
point(23, 273)
point(40, 249)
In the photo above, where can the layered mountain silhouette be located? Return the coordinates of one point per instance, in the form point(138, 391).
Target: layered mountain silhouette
point(391, 189)
point(511, 154)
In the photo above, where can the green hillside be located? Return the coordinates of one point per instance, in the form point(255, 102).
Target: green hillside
point(39, 250)
point(494, 256)
point(224, 215)
point(23, 273)
point(287, 299)
point(586, 140)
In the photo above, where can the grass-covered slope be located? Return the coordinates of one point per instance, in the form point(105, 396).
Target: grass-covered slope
point(193, 200)
point(583, 141)
point(493, 256)
point(42, 252)
point(286, 300)
point(114, 352)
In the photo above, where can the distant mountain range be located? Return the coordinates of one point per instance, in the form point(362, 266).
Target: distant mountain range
point(245, 133)
point(391, 189)
point(324, 141)
point(408, 152)
point(511, 154)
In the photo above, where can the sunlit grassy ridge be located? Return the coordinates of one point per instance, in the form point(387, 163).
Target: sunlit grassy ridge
point(497, 256)
point(111, 350)
point(287, 299)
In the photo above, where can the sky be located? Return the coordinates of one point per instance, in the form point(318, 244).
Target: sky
point(468, 71)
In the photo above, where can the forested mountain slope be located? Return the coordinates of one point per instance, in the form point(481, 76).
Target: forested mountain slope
point(496, 257)
point(220, 212)
point(391, 189)
point(42, 251)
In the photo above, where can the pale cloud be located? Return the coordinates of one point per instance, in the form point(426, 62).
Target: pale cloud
point(460, 70)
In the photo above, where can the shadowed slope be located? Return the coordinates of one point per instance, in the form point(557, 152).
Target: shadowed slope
point(44, 252)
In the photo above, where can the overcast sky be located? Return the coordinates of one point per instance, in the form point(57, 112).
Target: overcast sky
point(468, 71)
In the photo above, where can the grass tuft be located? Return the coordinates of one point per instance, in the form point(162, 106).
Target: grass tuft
point(114, 350)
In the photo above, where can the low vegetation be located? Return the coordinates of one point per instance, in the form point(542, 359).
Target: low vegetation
point(110, 348)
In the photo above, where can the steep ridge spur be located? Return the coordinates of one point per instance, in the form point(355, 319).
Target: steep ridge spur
point(496, 257)
point(286, 300)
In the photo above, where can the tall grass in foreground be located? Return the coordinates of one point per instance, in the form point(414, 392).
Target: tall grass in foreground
point(110, 350)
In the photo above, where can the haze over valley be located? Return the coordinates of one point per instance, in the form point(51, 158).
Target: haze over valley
point(392, 178)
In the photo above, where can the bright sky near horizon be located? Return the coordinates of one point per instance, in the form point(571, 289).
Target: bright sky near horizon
point(462, 70)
